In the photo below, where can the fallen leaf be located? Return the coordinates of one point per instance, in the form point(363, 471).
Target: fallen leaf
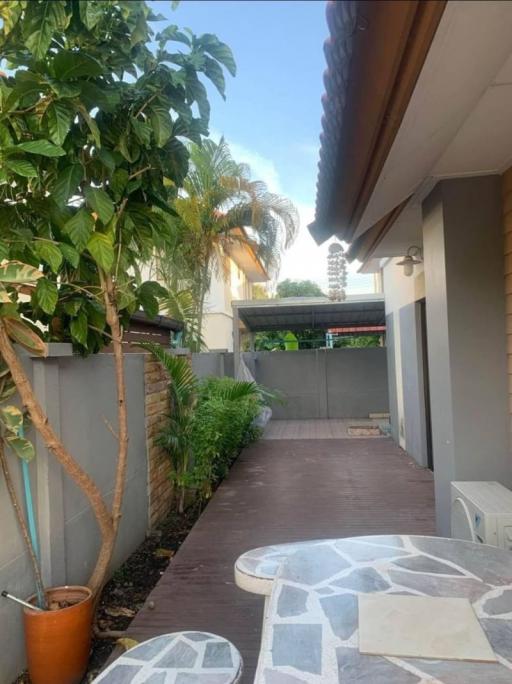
point(127, 643)
point(119, 611)
point(164, 553)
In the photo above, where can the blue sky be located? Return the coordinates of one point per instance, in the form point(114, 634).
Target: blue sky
point(271, 116)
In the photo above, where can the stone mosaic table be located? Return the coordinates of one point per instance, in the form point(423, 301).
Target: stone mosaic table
point(179, 658)
point(310, 631)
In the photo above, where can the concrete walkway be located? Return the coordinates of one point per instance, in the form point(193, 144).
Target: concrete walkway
point(327, 428)
point(279, 491)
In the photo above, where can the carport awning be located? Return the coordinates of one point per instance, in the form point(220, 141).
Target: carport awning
point(306, 313)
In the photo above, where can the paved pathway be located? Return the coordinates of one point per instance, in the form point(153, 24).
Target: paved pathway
point(283, 490)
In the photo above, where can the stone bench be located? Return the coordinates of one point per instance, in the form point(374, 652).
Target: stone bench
point(178, 658)
point(255, 570)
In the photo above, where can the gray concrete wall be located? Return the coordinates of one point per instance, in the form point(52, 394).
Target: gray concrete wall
point(413, 383)
point(392, 391)
point(218, 364)
point(463, 255)
point(334, 383)
point(78, 395)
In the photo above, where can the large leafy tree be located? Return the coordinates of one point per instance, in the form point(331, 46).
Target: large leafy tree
point(298, 288)
point(221, 206)
point(92, 154)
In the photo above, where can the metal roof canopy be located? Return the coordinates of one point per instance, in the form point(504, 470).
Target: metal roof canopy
point(308, 313)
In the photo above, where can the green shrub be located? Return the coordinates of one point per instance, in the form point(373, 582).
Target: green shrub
point(221, 427)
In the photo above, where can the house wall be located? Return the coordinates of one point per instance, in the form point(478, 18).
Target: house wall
point(79, 397)
point(228, 282)
point(463, 257)
point(403, 342)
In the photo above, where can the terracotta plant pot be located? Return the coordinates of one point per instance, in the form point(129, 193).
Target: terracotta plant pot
point(58, 642)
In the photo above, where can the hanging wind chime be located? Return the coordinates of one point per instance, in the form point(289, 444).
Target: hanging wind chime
point(337, 272)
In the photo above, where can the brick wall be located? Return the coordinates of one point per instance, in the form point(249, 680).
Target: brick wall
point(159, 466)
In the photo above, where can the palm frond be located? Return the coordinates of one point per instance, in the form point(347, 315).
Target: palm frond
point(183, 384)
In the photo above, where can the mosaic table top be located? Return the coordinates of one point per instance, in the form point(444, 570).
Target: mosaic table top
point(179, 658)
point(256, 570)
point(310, 632)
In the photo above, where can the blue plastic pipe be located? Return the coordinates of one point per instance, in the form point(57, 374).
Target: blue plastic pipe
point(29, 503)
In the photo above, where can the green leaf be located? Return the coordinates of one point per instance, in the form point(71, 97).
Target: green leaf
point(70, 65)
point(5, 298)
point(50, 253)
point(5, 136)
point(65, 89)
point(196, 92)
point(7, 388)
point(79, 228)
point(162, 125)
point(17, 272)
point(91, 12)
point(100, 202)
point(20, 332)
point(4, 250)
point(149, 304)
point(66, 183)
point(102, 250)
point(216, 75)
point(59, 118)
point(42, 147)
point(105, 98)
point(93, 126)
point(219, 50)
point(40, 24)
point(118, 182)
point(21, 167)
point(46, 295)
point(107, 159)
point(78, 329)
point(70, 254)
point(142, 131)
point(153, 288)
point(12, 418)
point(23, 448)
point(72, 307)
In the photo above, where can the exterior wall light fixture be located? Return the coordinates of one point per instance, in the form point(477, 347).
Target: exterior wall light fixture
point(414, 256)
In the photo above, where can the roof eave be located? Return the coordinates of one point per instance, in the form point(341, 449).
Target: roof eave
point(375, 54)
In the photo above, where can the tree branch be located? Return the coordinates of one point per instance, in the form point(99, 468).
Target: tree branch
point(23, 525)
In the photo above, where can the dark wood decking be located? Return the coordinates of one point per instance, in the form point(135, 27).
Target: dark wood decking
point(279, 491)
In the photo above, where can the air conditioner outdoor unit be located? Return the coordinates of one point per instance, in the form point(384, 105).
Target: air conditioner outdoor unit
point(482, 512)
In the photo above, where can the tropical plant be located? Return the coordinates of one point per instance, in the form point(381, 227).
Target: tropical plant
point(177, 439)
point(220, 207)
point(209, 422)
point(91, 152)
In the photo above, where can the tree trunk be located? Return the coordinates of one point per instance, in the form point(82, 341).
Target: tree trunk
point(203, 289)
point(55, 445)
point(98, 577)
point(23, 525)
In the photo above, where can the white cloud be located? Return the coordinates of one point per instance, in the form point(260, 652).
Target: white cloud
point(304, 260)
point(261, 167)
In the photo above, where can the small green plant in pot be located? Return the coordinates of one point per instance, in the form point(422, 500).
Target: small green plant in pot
point(92, 124)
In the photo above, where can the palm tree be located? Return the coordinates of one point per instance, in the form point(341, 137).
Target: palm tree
point(221, 205)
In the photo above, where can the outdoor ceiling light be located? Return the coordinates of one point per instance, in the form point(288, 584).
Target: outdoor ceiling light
point(410, 260)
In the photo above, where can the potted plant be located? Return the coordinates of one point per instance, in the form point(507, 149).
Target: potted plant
point(91, 122)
